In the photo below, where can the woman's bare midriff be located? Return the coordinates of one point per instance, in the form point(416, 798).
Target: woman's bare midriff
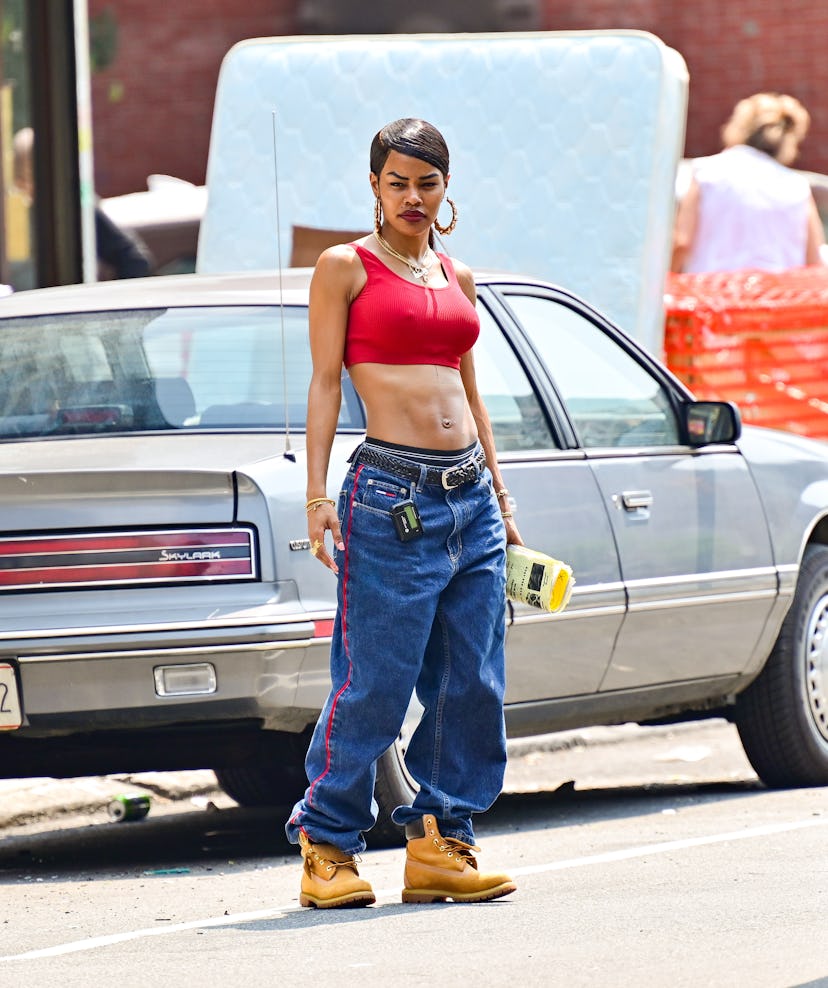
point(421, 405)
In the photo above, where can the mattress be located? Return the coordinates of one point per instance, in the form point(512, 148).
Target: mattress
point(564, 149)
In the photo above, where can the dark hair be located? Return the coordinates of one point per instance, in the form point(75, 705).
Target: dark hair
point(416, 138)
point(770, 136)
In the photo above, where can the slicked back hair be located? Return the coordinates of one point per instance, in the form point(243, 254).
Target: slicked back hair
point(413, 137)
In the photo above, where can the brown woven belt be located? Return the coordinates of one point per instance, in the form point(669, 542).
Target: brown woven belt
point(463, 473)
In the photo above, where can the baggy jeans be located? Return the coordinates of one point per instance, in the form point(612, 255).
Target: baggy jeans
point(425, 616)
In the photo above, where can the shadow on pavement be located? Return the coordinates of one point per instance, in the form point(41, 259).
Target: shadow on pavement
point(172, 839)
point(567, 805)
point(202, 837)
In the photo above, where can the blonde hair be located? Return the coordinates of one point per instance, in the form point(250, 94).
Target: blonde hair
point(771, 122)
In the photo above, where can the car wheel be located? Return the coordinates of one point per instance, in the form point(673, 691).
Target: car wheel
point(274, 776)
point(395, 786)
point(782, 717)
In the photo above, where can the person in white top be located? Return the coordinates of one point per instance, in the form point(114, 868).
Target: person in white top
point(745, 207)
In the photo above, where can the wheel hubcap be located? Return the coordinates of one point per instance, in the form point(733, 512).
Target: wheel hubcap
point(816, 666)
point(412, 718)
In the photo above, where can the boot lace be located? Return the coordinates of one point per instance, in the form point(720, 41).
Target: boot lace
point(452, 847)
point(330, 864)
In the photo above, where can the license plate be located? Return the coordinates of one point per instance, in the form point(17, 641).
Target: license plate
point(11, 716)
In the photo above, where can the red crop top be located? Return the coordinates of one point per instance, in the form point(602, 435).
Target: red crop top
point(394, 321)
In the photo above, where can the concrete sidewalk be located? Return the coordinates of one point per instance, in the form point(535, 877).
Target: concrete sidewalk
point(28, 803)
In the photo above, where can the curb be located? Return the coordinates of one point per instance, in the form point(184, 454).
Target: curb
point(29, 801)
point(592, 737)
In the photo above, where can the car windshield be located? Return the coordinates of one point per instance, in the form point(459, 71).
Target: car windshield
point(155, 370)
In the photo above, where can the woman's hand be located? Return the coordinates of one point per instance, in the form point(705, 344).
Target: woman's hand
point(322, 519)
point(512, 534)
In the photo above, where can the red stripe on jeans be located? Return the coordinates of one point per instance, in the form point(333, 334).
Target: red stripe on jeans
point(347, 682)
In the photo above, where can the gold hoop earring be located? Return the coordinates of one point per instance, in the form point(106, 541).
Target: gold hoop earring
point(377, 215)
point(446, 230)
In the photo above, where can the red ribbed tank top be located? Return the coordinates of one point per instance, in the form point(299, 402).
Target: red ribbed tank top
point(394, 321)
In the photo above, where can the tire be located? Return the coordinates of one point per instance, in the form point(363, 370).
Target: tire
point(782, 717)
point(273, 777)
point(394, 787)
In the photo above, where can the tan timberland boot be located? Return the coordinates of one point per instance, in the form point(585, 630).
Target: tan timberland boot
point(439, 868)
point(330, 879)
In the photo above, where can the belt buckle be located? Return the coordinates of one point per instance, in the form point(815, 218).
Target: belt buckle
point(467, 471)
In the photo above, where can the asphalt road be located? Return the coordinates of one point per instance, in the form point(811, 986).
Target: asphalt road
point(653, 860)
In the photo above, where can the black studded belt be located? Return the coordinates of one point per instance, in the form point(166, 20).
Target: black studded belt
point(463, 473)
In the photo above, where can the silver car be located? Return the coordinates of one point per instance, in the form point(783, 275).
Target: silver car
point(160, 608)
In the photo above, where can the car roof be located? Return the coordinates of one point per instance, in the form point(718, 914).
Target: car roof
point(240, 288)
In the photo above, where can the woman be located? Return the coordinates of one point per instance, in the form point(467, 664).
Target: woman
point(418, 542)
point(744, 207)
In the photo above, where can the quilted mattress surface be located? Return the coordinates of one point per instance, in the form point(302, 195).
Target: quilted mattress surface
point(564, 149)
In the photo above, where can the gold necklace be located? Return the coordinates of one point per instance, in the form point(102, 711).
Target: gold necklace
point(417, 268)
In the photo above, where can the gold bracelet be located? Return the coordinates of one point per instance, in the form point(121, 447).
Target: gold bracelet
point(314, 503)
point(506, 514)
point(501, 493)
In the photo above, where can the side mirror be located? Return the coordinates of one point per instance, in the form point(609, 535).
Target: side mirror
point(708, 422)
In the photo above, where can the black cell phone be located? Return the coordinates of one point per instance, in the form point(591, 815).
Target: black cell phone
point(407, 521)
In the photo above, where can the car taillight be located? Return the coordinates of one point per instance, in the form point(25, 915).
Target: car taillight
point(34, 562)
point(323, 629)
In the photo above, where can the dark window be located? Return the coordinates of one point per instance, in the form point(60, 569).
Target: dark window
point(516, 413)
point(612, 400)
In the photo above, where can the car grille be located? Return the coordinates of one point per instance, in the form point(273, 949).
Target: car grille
point(94, 559)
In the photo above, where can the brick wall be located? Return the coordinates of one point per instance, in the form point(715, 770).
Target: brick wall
point(733, 48)
point(152, 105)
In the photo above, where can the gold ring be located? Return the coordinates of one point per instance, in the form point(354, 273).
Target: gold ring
point(317, 545)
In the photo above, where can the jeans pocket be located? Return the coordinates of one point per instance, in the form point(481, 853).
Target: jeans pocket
point(341, 504)
point(380, 495)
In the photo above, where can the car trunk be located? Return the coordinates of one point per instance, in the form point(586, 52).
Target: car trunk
point(160, 525)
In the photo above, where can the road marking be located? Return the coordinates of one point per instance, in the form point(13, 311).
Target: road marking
point(674, 845)
point(626, 854)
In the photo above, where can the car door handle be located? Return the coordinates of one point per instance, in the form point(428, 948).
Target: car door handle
point(633, 500)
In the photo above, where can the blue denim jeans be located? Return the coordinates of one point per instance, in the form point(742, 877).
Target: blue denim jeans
point(424, 616)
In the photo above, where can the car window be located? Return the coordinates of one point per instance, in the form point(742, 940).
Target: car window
point(516, 414)
point(611, 398)
point(160, 369)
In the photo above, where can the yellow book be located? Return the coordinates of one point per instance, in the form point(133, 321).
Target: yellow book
point(537, 579)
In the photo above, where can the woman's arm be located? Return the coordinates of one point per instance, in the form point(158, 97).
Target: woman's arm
point(481, 415)
point(816, 235)
point(684, 231)
point(331, 291)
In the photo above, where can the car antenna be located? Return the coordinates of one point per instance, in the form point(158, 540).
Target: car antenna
point(288, 452)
